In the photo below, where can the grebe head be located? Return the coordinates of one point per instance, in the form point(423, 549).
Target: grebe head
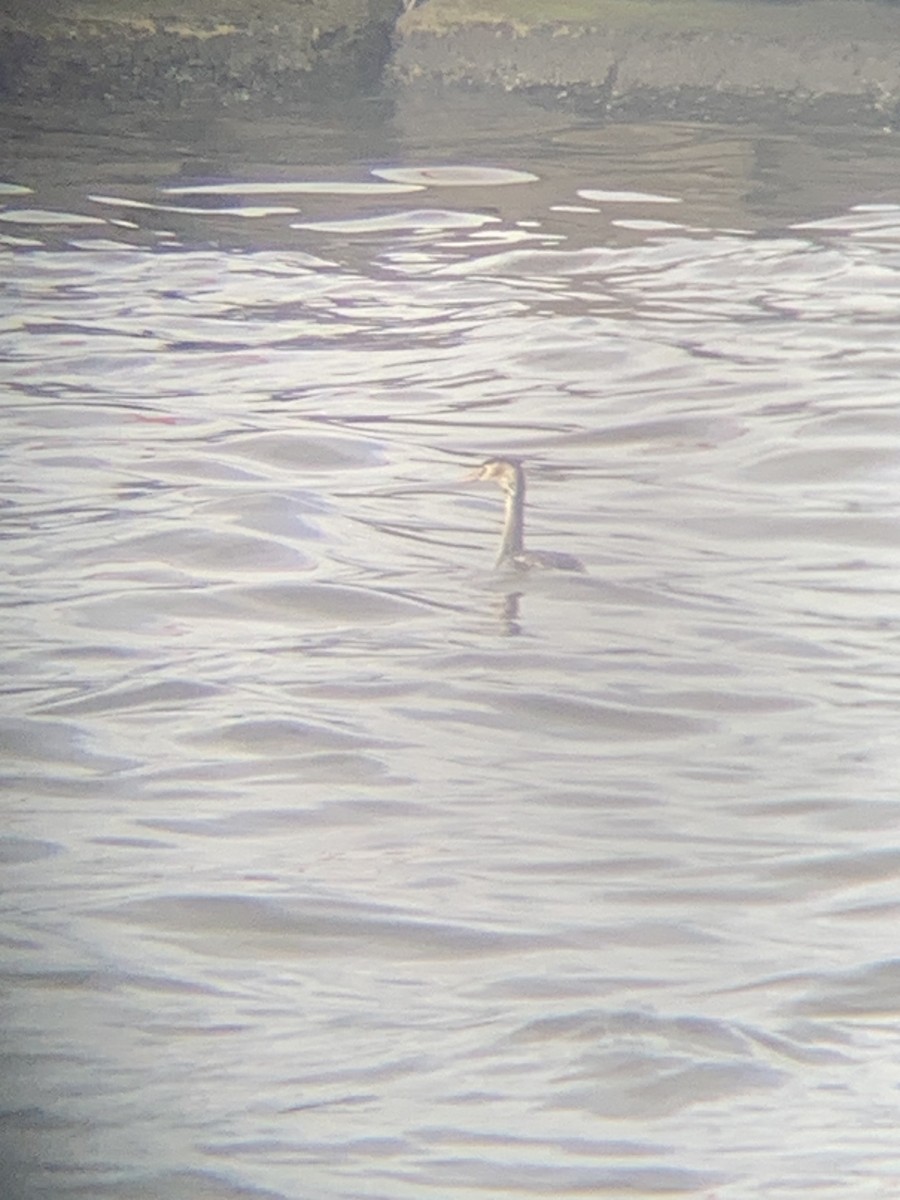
point(502, 471)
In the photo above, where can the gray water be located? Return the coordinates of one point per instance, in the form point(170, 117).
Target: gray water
point(337, 864)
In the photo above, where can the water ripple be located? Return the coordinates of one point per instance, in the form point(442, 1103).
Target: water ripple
point(334, 858)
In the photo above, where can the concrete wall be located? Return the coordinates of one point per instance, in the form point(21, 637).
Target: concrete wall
point(706, 59)
point(230, 51)
point(713, 59)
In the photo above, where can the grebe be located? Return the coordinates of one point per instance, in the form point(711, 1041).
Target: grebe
point(509, 475)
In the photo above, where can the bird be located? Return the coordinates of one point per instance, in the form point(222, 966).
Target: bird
point(509, 475)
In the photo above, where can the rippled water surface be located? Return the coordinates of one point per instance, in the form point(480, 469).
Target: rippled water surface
point(337, 864)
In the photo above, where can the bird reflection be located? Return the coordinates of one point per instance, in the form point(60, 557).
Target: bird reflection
point(509, 614)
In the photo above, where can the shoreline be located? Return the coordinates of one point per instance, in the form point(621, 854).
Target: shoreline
point(720, 60)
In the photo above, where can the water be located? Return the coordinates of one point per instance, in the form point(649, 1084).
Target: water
point(337, 865)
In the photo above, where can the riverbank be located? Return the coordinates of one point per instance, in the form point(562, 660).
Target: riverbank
point(834, 60)
point(226, 51)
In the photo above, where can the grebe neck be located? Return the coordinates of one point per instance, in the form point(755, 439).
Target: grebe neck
point(512, 542)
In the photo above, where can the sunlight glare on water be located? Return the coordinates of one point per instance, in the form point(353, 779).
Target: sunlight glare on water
point(338, 864)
